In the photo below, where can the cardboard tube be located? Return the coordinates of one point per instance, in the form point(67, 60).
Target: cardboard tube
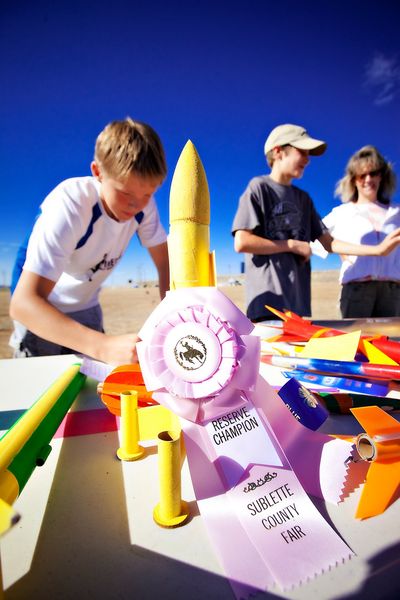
point(130, 448)
point(171, 511)
point(378, 448)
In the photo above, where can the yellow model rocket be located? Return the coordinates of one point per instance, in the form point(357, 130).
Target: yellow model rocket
point(191, 263)
point(27, 443)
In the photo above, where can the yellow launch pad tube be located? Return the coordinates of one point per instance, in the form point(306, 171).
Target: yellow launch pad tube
point(130, 448)
point(171, 511)
point(190, 261)
point(20, 433)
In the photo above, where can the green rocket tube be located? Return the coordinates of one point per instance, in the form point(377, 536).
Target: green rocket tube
point(26, 444)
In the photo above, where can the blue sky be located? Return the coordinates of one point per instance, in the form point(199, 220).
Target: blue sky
point(221, 73)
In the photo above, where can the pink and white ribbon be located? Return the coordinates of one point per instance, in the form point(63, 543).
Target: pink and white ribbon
point(199, 359)
point(196, 360)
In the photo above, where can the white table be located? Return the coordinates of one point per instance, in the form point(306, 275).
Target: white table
point(87, 529)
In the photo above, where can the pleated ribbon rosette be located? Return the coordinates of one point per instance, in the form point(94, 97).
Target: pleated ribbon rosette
point(199, 359)
point(197, 356)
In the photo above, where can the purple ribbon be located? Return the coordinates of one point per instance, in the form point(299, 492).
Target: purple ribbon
point(197, 356)
point(200, 361)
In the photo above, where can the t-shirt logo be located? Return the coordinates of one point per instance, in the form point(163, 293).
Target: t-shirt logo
point(104, 265)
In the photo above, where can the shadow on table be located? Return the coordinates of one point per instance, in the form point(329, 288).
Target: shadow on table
point(84, 550)
point(384, 581)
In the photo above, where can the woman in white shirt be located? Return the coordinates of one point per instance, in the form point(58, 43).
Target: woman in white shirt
point(370, 284)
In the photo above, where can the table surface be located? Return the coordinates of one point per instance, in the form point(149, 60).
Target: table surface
point(86, 527)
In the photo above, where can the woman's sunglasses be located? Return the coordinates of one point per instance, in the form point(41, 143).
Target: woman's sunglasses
point(363, 176)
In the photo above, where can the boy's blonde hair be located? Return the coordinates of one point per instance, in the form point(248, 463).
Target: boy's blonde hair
point(367, 156)
point(130, 147)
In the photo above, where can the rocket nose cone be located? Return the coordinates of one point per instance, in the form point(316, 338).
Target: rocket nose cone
point(189, 154)
point(189, 195)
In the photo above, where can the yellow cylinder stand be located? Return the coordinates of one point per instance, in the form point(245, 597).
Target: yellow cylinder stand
point(171, 511)
point(130, 448)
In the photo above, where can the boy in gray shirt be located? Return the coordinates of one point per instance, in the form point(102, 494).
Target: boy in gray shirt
point(275, 223)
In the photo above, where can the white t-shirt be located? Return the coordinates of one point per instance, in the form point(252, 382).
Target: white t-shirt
point(365, 223)
point(75, 243)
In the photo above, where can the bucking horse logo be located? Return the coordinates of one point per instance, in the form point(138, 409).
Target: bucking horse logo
point(190, 352)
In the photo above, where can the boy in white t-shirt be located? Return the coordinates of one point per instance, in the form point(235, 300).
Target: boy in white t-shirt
point(83, 229)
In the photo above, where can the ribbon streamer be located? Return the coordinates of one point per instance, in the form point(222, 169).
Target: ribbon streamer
point(199, 360)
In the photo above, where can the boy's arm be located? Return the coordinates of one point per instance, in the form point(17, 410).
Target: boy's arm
point(30, 306)
point(247, 241)
point(159, 255)
point(391, 241)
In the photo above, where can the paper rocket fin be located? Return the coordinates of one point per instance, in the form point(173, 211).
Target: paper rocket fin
point(380, 445)
point(375, 421)
point(379, 488)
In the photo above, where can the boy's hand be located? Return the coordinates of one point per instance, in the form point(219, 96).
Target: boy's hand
point(119, 349)
point(391, 241)
point(303, 249)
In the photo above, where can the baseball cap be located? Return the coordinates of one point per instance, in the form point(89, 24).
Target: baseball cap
point(296, 136)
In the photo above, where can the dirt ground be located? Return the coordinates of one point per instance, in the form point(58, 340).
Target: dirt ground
point(125, 308)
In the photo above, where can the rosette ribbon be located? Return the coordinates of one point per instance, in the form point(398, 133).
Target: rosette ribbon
point(198, 357)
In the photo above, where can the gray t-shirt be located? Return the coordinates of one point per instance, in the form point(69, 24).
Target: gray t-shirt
point(277, 212)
